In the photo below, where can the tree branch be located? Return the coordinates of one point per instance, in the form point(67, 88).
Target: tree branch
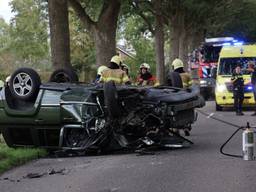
point(81, 13)
point(110, 10)
point(144, 17)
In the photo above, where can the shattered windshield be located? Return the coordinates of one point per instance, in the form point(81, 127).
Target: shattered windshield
point(227, 65)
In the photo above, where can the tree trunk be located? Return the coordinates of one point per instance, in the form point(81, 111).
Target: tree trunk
point(174, 40)
point(198, 38)
point(59, 33)
point(105, 44)
point(159, 43)
point(183, 44)
point(182, 35)
point(103, 31)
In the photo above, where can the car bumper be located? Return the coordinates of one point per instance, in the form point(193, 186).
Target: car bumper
point(226, 99)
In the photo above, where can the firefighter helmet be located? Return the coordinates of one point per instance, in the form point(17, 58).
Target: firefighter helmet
point(177, 63)
point(145, 65)
point(116, 59)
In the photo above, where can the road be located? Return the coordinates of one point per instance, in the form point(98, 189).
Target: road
point(198, 168)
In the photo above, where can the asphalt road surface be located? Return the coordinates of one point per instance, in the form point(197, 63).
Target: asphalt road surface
point(198, 168)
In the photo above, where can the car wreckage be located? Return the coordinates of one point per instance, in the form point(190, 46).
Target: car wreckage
point(65, 114)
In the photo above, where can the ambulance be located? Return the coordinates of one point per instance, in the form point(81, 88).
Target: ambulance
point(229, 58)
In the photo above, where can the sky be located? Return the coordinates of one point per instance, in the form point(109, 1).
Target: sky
point(5, 10)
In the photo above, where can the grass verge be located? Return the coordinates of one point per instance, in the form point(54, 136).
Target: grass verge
point(10, 157)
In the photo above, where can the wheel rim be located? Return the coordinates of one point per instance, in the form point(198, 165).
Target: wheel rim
point(22, 84)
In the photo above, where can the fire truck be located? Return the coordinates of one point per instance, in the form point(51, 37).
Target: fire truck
point(205, 61)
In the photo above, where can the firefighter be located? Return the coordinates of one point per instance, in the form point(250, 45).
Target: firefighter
point(125, 68)
point(178, 67)
point(99, 72)
point(252, 71)
point(145, 77)
point(238, 90)
point(114, 73)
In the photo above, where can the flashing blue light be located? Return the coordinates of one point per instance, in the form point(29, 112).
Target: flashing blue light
point(235, 40)
point(226, 44)
point(249, 88)
point(239, 43)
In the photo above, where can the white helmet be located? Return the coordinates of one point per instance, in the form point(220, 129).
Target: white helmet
point(177, 63)
point(145, 65)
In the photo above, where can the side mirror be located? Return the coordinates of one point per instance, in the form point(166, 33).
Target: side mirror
point(214, 73)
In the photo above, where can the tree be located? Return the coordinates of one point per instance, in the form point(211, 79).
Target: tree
point(24, 42)
point(147, 10)
point(6, 56)
point(59, 30)
point(159, 40)
point(102, 27)
point(82, 48)
point(138, 38)
point(190, 21)
point(28, 31)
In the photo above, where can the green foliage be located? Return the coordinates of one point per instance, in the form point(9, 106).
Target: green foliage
point(93, 8)
point(242, 23)
point(81, 46)
point(28, 31)
point(10, 157)
point(4, 35)
point(24, 42)
point(140, 39)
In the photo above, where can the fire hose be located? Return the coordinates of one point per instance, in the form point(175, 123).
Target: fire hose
point(248, 141)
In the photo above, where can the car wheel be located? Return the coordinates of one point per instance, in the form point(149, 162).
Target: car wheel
point(24, 84)
point(64, 76)
point(111, 99)
point(174, 80)
point(218, 107)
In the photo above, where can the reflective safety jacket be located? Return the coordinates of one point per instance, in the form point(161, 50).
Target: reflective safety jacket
point(116, 75)
point(238, 82)
point(186, 79)
point(152, 81)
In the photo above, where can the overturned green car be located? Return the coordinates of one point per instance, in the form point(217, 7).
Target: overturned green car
point(75, 116)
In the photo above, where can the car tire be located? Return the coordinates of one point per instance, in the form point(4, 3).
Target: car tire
point(24, 84)
point(111, 99)
point(174, 80)
point(218, 107)
point(64, 76)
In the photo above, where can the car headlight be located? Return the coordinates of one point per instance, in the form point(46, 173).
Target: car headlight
point(203, 82)
point(221, 88)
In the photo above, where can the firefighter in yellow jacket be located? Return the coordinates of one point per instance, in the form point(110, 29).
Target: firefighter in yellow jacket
point(178, 67)
point(114, 73)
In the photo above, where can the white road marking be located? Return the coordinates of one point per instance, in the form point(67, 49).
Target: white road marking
point(209, 116)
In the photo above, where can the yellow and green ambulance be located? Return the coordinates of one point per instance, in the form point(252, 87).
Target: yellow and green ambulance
point(230, 57)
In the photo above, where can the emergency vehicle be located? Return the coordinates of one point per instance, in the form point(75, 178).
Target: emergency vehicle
point(230, 57)
point(207, 60)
